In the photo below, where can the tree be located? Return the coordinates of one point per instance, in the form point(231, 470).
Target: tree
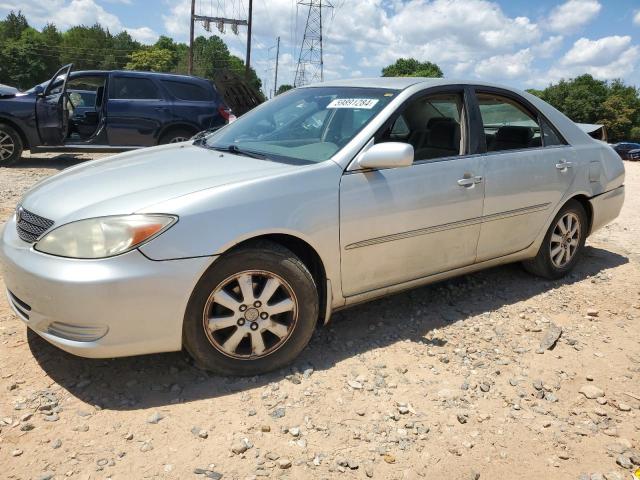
point(283, 88)
point(152, 59)
point(12, 27)
point(410, 67)
point(588, 100)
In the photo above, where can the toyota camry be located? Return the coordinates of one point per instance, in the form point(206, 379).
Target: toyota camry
point(237, 245)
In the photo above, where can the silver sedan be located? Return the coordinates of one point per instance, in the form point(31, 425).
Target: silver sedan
point(237, 245)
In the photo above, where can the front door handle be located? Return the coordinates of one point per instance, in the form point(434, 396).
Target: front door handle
point(466, 182)
point(563, 165)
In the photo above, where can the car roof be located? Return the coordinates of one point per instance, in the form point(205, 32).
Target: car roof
point(400, 83)
point(138, 73)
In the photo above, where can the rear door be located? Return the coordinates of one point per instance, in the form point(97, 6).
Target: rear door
point(528, 169)
point(136, 110)
point(194, 102)
point(52, 113)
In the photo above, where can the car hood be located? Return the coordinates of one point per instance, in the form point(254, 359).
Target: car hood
point(6, 91)
point(131, 181)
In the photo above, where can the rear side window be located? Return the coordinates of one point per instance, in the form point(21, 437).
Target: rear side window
point(507, 124)
point(133, 88)
point(188, 91)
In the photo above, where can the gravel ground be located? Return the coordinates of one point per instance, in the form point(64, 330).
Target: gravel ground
point(445, 381)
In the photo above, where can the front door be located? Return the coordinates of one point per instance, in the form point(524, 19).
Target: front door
point(52, 113)
point(528, 169)
point(402, 224)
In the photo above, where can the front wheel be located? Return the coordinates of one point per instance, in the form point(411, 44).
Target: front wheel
point(252, 312)
point(563, 243)
point(10, 145)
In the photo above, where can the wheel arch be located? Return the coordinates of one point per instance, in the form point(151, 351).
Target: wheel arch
point(583, 200)
point(177, 126)
point(307, 254)
point(17, 128)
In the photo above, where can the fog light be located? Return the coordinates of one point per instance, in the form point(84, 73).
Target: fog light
point(78, 333)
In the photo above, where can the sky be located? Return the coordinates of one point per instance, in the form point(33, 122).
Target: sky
point(520, 43)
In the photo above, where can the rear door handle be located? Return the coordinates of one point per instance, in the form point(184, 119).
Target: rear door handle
point(469, 181)
point(563, 165)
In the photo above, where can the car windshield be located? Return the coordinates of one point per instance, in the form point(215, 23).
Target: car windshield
point(307, 124)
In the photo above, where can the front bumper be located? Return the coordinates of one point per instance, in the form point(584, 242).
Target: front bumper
point(119, 306)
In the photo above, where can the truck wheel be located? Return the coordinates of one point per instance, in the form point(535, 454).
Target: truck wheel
point(175, 136)
point(10, 145)
point(253, 311)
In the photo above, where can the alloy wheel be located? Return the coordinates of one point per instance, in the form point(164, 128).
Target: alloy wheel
point(178, 139)
point(7, 146)
point(250, 314)
point(565, 239)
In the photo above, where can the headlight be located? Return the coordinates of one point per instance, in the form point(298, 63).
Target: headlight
point(104, 236)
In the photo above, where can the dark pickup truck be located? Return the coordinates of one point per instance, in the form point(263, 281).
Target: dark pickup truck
point(106, 110)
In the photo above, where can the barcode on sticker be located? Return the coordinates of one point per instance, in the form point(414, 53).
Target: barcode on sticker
point(366, 103)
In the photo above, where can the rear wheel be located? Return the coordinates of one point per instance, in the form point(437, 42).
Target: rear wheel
point(253, 311)
point(10, 145)
point(563, 243)
point(175, 136)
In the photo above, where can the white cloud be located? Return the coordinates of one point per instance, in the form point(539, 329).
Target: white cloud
point(516, 65)
point(636, 18)
point(143, 34)
point(587, 52)
point(572, 15)
point(453, 33)
point(548, 48)
point(606, 58)
point(65, 14)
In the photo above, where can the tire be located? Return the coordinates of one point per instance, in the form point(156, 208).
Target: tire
point(10, 145)
point(175, 135)
point(265, 263)
point(547, 266)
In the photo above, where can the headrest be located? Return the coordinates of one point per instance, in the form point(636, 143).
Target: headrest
point(514, 134)
point(444, 134)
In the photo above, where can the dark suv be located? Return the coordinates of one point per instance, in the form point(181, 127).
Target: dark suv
point(106, 110)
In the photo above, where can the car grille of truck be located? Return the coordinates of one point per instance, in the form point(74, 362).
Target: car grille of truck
point(31, 226)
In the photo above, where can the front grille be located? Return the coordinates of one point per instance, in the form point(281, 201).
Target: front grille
point(31, 226)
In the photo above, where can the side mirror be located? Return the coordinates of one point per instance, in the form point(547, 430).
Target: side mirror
point(39, 90)
point(387, 155)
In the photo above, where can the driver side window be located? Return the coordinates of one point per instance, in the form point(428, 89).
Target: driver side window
point(432, 125)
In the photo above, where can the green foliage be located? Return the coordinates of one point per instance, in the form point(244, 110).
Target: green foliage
point(410, 67)
point(585, 99)
point(151, 59)
point(29, 57)
point(283, 88)
point(12, 27)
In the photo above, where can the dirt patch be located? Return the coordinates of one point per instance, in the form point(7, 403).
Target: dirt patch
point(444, 381)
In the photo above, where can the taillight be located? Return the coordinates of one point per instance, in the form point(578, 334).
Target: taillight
point(226, 113)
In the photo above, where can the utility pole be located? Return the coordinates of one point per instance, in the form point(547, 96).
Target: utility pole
point(310, 62)
point(191, 22)
point(275, 80)
point(248, 63)
point(220, 23)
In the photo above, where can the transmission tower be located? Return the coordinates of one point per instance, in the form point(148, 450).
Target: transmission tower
point(310, 66)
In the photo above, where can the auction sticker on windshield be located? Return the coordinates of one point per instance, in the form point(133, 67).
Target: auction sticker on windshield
point(366, 103)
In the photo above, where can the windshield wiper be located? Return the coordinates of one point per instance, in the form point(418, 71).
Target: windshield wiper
point(239, 151)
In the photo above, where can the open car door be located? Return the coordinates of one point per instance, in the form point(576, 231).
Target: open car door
point(52, 109)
